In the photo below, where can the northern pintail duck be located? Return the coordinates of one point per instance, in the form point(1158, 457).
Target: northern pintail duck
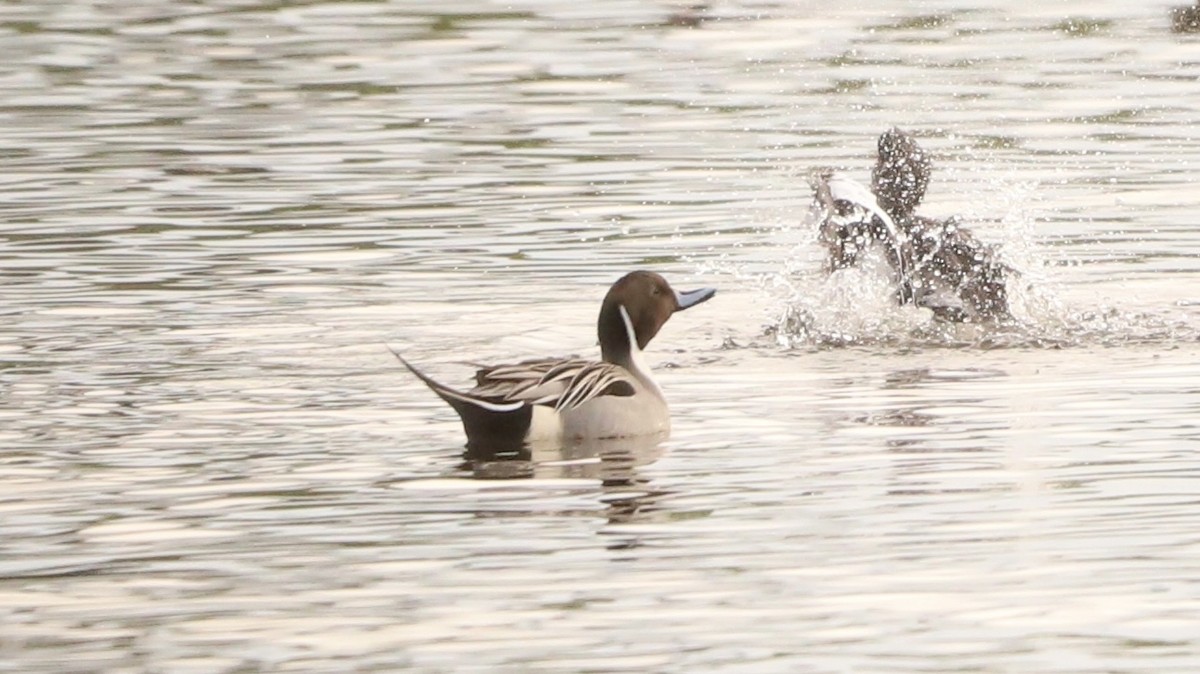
point(569, 399)
point(937, 264)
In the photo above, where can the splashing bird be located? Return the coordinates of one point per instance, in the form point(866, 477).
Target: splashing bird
point(936, 264)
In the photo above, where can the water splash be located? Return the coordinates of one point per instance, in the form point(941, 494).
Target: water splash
point(813, 309)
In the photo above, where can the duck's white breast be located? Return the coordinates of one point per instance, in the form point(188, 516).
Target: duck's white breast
point(617, 417)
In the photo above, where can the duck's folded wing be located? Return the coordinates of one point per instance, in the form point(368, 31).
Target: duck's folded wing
point(524, 371)
point(561, 384)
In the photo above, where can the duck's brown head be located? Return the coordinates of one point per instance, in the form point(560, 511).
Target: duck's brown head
point(637, 306)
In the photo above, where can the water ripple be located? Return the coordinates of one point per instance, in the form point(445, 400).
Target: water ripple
point(217, 213)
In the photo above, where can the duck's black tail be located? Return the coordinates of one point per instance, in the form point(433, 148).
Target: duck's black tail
point(497, 425)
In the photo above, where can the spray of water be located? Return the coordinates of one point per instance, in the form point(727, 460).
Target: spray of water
point(813, 309)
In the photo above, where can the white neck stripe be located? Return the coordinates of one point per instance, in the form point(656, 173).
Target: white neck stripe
point(629, 332)
point(638, 366)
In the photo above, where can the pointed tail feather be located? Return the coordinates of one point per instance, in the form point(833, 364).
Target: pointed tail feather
point(486, 422)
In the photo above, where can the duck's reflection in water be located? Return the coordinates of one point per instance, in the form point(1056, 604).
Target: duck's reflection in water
point(614, 463)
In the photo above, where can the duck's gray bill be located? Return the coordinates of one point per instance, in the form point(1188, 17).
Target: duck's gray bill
point(691, 298)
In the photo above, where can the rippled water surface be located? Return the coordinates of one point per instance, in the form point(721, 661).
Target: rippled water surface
point(215, 214)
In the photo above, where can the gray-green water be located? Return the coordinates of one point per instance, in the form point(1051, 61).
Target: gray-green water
point(214, 214)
